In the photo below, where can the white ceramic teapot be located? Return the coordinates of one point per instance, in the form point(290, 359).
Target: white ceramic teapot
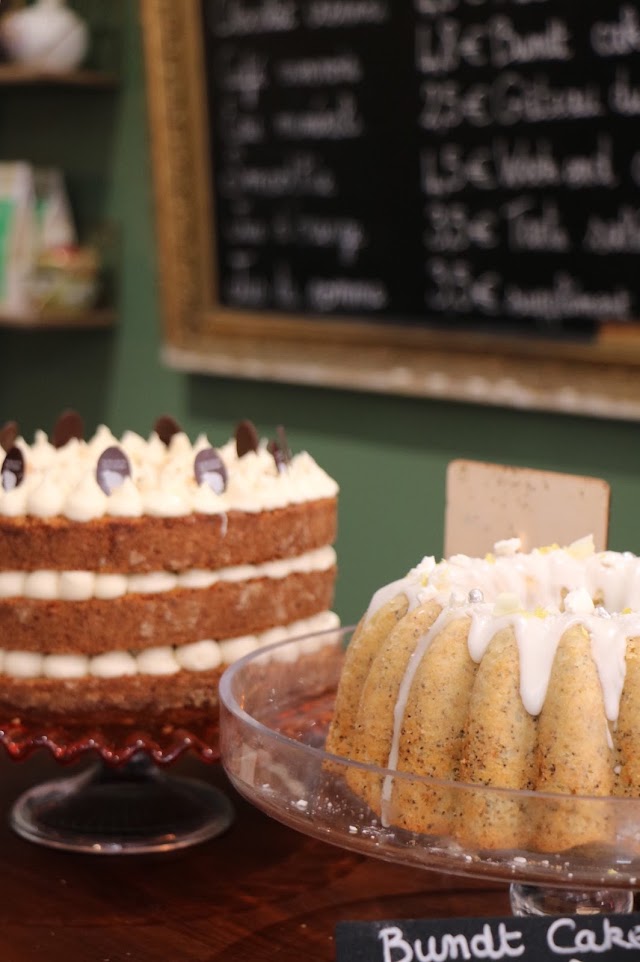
point(46, 34)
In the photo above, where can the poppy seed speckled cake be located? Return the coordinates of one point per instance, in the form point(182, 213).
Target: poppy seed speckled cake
point(133, 570)
point(517, 671)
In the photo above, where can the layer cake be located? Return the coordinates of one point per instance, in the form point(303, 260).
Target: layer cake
point(133, 570)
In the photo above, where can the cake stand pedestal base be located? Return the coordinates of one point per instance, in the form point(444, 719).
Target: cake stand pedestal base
point(541, 900)
point(132, 809)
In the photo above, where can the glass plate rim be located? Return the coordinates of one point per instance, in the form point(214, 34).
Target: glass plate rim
point(230, 703)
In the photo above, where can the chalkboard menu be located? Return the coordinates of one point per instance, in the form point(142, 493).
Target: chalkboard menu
point(458, 162)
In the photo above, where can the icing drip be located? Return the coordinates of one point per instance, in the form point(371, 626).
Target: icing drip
point(443, 619)
point(608, 646)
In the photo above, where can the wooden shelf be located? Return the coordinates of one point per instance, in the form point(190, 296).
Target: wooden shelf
point(16, 75)
point(99, 318)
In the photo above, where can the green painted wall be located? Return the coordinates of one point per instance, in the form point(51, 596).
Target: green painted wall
point(389, 454)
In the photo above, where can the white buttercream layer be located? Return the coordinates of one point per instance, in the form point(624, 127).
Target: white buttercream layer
point(204, 655)
point(62, 481)
point(83, 585)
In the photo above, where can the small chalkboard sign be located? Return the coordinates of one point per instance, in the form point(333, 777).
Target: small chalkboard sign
point(614, 938)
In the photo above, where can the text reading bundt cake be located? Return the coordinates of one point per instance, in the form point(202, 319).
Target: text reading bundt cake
point(133, 570)
point(516, 671)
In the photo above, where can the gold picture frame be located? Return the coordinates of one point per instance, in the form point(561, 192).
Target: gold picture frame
point(199, 334)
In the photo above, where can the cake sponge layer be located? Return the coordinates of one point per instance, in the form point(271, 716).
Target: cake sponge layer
point(135, 622)
point(136, 545)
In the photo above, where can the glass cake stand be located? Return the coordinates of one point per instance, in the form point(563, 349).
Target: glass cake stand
point(125, 802)
point(276, 707)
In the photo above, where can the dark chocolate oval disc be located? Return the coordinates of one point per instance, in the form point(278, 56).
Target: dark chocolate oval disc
point(209, 469)
point(8, 434)
point(278, 455)
point(280, 450)
point(246, 438)
point(69, 425)
point(165, 427)
point(12, 471)
point(112, 469)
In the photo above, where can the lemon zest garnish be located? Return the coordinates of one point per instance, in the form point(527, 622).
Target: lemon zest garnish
point(582, 548)
point(548, 548)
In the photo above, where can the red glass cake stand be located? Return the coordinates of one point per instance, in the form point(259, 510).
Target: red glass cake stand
point(274, 719)
point(126, 801)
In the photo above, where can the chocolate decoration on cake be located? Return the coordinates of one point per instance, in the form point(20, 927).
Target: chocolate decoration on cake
point(12, 471)
point(8, 434)
point(278, 455)
point(246, 438)
point(69, 425)
point(113, 469)
point(280, 450)
point(209, 469)
point(165, 427)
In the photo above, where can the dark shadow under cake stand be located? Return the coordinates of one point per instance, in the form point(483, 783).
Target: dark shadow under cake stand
point(127, 801)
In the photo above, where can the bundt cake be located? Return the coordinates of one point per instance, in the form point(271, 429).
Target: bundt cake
point(133, 570)
point(515, 671)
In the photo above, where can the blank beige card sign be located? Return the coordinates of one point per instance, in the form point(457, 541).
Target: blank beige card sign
point(486, 503)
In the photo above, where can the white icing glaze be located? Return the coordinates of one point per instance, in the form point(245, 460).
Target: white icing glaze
point(539, 596)
point(203, 655)
point(82, 585)
point(62, 481)
point(413, 586)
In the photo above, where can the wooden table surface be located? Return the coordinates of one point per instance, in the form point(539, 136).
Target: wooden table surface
point(258, 892)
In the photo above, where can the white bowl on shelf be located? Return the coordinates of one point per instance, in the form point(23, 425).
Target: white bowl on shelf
point(46, 35)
